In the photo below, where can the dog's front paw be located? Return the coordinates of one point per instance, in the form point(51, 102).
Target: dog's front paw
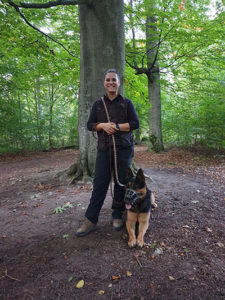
point(140, 243)
point(132, 243)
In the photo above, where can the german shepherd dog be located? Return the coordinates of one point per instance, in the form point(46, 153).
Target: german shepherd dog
point(139, 201)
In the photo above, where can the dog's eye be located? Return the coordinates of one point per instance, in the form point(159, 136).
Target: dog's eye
point(140, 195)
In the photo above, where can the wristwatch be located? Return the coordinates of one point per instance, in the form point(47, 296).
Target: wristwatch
point(117, 126)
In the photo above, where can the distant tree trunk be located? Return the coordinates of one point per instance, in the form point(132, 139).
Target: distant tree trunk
point(39, 113)
point(152, 73)
point(101, 47)
point(20, 125)
point(138, 136)
point(51, 103)
point(154, 93)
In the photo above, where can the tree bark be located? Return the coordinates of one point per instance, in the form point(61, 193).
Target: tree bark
point(155, 125)
point(51, 104)
point(154, 93)
point(101, 47)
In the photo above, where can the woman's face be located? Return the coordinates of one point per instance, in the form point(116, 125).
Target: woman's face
point(111, 83)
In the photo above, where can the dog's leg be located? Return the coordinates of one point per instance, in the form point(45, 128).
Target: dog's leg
point(153, 203)
point(130, 224)
point(143, 220)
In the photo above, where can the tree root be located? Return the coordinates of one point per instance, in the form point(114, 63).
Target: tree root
point(75, 177)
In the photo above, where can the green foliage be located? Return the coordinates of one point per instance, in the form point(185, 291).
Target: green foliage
point(61, 209)
point(189, 45)
point(39, 80)
point(137, 91)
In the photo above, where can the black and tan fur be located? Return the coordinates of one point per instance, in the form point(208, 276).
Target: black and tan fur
point(139, 201)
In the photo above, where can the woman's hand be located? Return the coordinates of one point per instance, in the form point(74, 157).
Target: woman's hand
point(109, 128)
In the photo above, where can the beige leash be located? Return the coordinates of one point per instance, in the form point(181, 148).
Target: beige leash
point(114, 150)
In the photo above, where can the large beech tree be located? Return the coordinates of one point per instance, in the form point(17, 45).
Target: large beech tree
point(101, 47)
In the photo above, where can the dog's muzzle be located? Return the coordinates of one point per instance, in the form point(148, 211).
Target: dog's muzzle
point(130, 198)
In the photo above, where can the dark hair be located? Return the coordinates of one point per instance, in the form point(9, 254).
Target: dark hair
point(112, 71)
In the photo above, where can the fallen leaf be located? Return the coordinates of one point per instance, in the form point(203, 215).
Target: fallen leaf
point(115, 278)
point(171, 278)
point(157, 252)
point(101, 292)
point(195, 201)
point(162, 244)
point(186, 227)
point(128, 273)
point(70, 278)
point(208, 229)
point(221, 245)
point(80, 284)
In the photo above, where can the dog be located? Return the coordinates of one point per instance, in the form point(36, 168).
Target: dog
point(139, 202)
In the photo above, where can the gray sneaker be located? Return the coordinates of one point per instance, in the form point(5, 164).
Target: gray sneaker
point(117, 224)
point(86, 227)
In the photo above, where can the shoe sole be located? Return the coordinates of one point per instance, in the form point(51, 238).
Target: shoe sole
point(81, 234)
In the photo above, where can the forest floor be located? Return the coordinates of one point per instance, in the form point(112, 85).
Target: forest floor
point(184, 254)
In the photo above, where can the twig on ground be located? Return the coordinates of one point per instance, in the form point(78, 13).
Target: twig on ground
point(138, 261)
point(13, 278)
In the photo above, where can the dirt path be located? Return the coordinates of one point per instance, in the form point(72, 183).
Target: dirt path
point(184, 255)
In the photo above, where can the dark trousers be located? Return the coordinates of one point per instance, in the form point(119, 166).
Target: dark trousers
point(102, 179)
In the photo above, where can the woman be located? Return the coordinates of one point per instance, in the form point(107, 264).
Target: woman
point(123, 119)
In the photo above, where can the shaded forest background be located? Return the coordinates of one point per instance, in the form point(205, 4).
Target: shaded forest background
point(39, 76)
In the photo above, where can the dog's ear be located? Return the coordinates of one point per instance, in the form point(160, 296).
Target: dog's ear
point(140, 177)
point(129, 174)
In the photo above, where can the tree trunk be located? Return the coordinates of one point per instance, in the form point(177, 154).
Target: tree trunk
point(138, 136)
point(154, 93)
point(155, 126)
point(39, 113)
point(101, 47)
point(51, 103)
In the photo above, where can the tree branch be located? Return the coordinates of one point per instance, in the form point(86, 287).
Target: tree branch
point(53, 3)
point(177, 57)
point(138, 70)
point(35, 28)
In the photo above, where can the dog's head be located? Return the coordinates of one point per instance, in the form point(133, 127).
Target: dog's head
point(135, 188)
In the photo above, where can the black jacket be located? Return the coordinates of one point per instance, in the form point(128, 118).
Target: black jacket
point(121, 110)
